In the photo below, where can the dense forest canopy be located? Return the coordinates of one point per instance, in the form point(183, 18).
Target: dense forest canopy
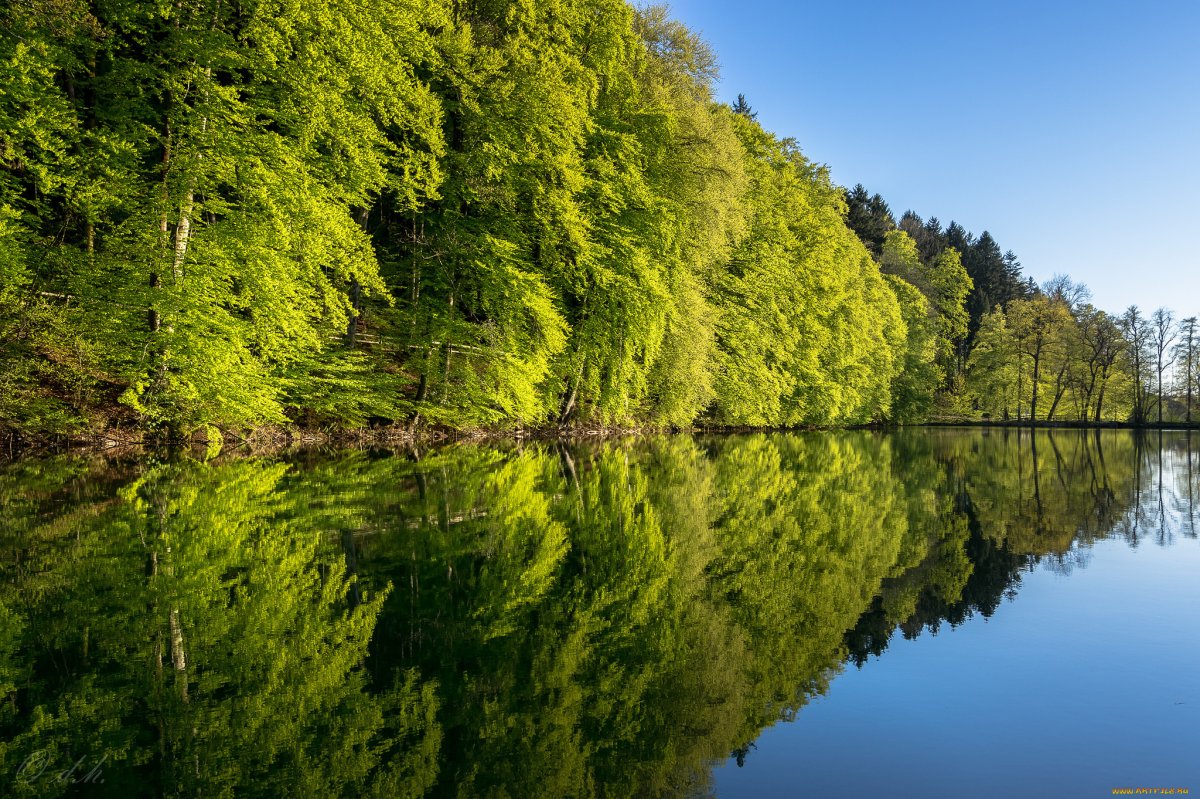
point(222, 214)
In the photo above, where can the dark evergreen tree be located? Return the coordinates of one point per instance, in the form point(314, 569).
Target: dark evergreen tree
point(870, 217)
point(930, 239)
point(743, 108)
point(959, 238)
point(996, 275)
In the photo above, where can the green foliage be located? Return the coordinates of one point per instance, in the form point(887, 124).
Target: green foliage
point(913, 388)
point(1044, 359)
point(809, 333)
point(203, 184)
point(467, 214)
point(992, 369)
point(949, 288)
point(346, 388)
point(472, 214)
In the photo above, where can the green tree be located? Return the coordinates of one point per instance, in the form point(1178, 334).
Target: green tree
point(945, 285)
point(1103, 352)
point(210, 243)
point(1038, 326)
point(993, 370)
point(914, 386)
point(808, 332)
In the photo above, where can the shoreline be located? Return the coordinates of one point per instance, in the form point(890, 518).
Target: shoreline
point(269, 440)
point(1042, 424)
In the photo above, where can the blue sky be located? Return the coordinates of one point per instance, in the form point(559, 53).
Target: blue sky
point(1070, 130)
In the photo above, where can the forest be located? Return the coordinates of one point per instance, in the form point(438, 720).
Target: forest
point(218, 215)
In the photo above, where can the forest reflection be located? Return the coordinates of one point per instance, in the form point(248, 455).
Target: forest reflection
point(513, 621)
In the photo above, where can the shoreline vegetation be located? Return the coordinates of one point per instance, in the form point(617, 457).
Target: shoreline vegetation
point(416, 220)
point(275, 440)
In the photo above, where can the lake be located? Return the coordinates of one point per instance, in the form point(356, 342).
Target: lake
point(929, 612)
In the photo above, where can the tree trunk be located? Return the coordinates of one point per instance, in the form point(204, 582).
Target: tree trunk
point(183, 231)
point(1059, 390)
point(1020, 381)
point(152, 318)
point(1037, 478)
point(1088, 393)
point(178, 656)
point(1189, 380)
point(352, 326)
point(1037, 366)
point(1160, 394)
point(568, 406)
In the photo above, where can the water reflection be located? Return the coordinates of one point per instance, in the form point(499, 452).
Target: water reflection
point(515, 621)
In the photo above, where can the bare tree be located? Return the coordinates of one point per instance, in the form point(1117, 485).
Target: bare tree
point(1137, 338)
point(1067, 291)
point(1189, 358)
point(1162, 336)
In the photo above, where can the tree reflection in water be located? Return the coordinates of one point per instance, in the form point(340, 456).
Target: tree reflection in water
point(550, 620)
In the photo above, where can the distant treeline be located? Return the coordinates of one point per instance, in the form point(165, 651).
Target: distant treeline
point(1036, 352)
point(231, 214)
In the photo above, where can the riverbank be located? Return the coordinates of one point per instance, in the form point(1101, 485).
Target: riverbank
point(274, 439)
point(1061, 424)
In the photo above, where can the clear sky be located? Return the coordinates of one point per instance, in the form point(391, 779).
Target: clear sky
point(1070, 130)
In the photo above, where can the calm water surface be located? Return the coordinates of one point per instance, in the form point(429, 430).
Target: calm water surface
point(926, 613)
